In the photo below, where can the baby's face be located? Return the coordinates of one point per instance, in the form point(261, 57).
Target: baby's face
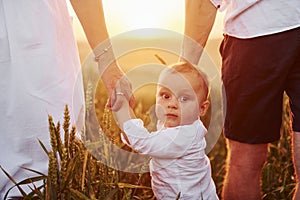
point(176, 100)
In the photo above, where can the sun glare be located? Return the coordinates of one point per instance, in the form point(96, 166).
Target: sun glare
point(122, 16)
point(129, 15)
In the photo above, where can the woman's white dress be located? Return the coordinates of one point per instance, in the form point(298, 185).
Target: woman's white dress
point(39, 74)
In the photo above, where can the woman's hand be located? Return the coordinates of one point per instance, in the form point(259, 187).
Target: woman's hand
point(122, 87)
point(116, 82)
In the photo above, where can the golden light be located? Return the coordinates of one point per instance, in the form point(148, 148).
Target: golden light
point(129, 15)
point(122, 16)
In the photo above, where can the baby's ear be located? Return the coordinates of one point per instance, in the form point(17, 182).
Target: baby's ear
point(204, 107)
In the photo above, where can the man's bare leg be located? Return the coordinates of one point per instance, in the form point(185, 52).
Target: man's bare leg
point(244, 166)
point(296, 157)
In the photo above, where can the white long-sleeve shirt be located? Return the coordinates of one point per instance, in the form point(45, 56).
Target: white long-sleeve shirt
point(253, 18)
point(178, 163)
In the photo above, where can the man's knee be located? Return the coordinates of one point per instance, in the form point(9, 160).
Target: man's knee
point(247, 156)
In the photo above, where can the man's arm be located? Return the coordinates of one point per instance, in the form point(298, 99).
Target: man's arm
point(199, 19)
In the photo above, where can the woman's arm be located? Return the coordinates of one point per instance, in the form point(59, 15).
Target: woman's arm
point(91, 16)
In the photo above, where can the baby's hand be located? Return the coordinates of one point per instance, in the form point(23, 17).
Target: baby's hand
point(120, 102)
point(121, 99)
point(124, 112)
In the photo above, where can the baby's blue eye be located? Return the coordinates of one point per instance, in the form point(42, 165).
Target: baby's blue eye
point(183, 99)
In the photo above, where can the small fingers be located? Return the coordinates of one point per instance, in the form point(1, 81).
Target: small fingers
point(132, 101)
point(122, 88)
point(116, 100)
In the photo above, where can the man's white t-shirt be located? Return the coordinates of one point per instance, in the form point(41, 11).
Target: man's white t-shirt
point(253, 18)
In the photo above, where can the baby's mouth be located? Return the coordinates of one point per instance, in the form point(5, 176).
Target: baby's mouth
point(171, 115)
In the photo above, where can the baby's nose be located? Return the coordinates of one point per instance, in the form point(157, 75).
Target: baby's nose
point(173, 103)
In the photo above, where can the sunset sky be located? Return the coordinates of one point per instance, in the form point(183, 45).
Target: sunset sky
point(122, 16)
point(142, 66)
